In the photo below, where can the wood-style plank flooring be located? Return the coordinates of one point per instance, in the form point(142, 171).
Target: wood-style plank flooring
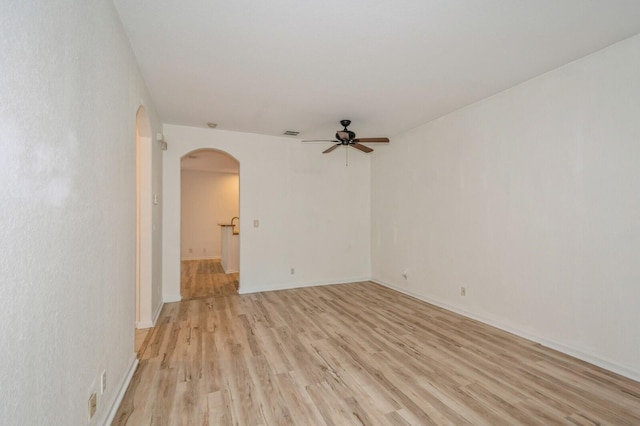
point(357, 354)
point(142, 337)
point(205, 278)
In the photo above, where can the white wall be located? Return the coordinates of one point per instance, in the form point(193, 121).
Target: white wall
point(207, 199)
point(314, 212)
point(530, 199)
point(69, 90)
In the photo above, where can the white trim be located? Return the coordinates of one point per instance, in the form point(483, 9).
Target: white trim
point(113, 408)
point(141, 325)
point(243, 290)
point(152, 323)
point(201, 258)
point(607, 365)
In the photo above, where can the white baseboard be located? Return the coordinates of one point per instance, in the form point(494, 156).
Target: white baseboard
point(607, 365)
point(124, 385)
point(200, 258)
point(250, 290)
point(154, 319)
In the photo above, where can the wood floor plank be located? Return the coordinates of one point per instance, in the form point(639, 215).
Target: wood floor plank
point(206, 278)
point(302, 408)
point(333, 410)
point(356, 354)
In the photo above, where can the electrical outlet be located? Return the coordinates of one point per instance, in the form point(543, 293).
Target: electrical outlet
point(256, 223)
point(204, 250)
point(103, 382)
point(92, 405)
point(405, 274)
point(293, 271)
point(463, 291)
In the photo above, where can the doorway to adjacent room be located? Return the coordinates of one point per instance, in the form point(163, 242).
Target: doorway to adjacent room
point(210, 225)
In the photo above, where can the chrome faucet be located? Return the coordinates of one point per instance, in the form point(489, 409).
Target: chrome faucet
point(232, 219)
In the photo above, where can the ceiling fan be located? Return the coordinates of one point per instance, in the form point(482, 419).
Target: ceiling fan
point(348, 138)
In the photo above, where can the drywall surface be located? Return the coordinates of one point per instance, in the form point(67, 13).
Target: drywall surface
point(207, 199)
point(313, 212)
point(531, 200)
point(70, 89)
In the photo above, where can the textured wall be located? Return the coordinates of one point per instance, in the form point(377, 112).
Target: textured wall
point(69, 91)
point(530, 199)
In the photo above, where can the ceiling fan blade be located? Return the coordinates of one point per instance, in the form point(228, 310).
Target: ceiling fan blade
point(367, 140)
point(326, 151)
point(361, 147)
point(321, 140)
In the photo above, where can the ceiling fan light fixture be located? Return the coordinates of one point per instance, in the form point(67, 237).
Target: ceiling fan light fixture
point(212, 125)
point(345, 135)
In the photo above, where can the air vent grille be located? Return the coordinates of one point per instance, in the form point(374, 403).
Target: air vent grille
point(291, 133)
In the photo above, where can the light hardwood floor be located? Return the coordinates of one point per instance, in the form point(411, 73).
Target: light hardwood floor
point(357, 354)
point(142, 337)
point(205, 278)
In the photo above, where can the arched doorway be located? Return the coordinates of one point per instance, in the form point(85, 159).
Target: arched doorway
point(210, 224)
point(144, 222)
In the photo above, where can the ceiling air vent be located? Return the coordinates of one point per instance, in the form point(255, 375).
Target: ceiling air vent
point(291, 133)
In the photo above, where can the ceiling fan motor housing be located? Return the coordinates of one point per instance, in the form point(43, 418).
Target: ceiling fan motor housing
point(345, 136)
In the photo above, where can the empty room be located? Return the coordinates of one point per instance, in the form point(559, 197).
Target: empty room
point(320, 213)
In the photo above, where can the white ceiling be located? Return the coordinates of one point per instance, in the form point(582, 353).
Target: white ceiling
point(388, 65)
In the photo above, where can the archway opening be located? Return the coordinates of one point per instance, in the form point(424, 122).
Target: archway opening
point(209, 224)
